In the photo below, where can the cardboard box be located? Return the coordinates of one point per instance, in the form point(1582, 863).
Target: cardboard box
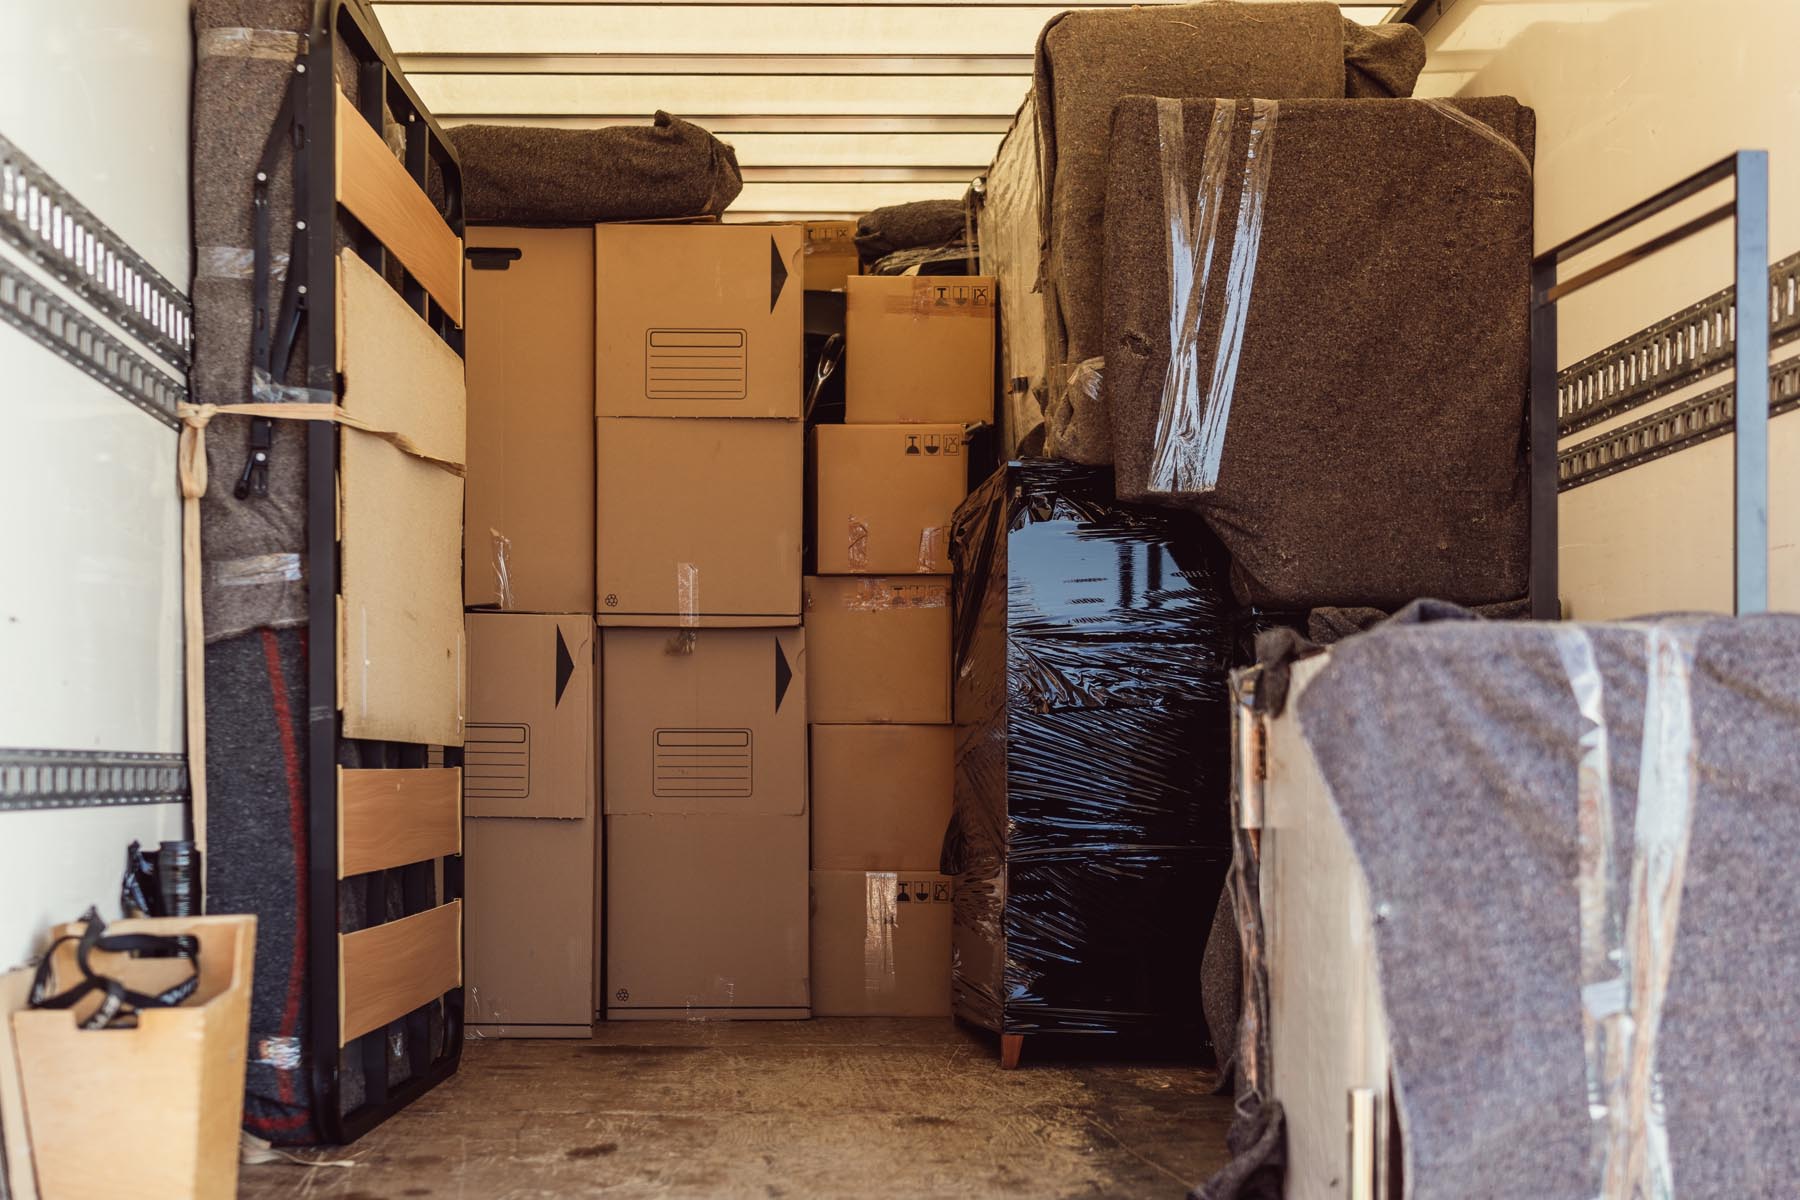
point(698, 320)
point(529, 536)
point(881, 944)
point(705, 796)
point(920, 348)
point(883, 496)
point(878, 649)
point(881, 796)
point(530, 840)
point(529, 750)
point(831, 255)
point(699, 522)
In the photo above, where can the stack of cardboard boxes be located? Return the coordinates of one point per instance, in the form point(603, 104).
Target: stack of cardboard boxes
point(884, 486)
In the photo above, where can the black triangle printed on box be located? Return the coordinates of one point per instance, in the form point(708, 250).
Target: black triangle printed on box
point(778, 274)
point(565, 666)
point(784, 675)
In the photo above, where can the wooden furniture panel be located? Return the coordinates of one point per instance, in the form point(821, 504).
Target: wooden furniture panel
point(391, 818)
point(376, 189)
point(386, 971)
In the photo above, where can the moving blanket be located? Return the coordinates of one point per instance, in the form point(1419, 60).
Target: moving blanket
point(1578, 842)
point(1091, 829)
point(1087, 61)
point(882, 231)
point(527, 174)
point(1318, 336)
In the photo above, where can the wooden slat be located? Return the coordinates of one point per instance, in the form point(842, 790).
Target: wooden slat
point(386, 971)
point(757, 95)
point(391, 818)
point(725, 126)
point(376, 189)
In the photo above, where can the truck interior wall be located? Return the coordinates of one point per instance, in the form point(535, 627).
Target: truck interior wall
point(1632, 95)
point(90, 597)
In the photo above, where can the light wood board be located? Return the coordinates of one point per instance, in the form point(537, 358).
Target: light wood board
point(376, 189)
point(392, 818)
point(386, 971)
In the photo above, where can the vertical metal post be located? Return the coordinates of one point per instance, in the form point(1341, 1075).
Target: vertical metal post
point(1751, 484)
point(1546, 604)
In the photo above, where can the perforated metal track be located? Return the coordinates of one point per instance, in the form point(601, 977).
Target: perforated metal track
point(40, 779)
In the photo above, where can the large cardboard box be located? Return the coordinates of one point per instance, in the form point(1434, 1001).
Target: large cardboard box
point(920, 348)
point(699, 521)
point(881, 944)
point(879, 649)
point(881, 796)
point(529, 537)
point(706, 813)
point(831, 255)
point(698, 320)
point(883, 496)
point(530, 840)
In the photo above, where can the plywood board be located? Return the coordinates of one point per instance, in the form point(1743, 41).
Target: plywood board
point(15, 986)
point(401, 628)
point(386, 971)
point(391, 818)
point(1327, 1029)
point(376, 189)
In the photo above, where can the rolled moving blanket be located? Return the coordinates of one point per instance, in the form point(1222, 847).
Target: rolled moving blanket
point(883, 231)
point(1324, 346)
point(528, 174)
point(1088, 60)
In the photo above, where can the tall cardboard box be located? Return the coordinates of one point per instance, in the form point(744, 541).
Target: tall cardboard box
point(529, 524)
point(920, 348)
point(698, 320)
point(881, 943)
point(706, 813)
point(883, 496)
point(881, 796)
point(831, 254)
point(699, 521)
point(879, 649)
point(531, 827)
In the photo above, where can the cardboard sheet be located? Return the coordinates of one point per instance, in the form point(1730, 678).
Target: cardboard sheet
point(881, 796)
point(881, 944)
point(878, 649)
point(883, 496)
point(401, 655)
point(921, 348)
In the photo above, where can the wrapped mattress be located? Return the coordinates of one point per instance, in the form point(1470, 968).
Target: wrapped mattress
point(1325, 344)
point(1086, 62)
point(527, 174)
point(1091, 831)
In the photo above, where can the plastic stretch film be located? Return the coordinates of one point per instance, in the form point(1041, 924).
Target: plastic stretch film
point(1539, 810)
point(1091, 834)
point(503, 586)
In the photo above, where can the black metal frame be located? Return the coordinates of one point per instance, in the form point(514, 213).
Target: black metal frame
point(1749, 213)
point(305, 323)
point(1423, 13)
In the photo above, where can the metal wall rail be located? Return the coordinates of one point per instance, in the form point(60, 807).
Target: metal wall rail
point(1748, 211)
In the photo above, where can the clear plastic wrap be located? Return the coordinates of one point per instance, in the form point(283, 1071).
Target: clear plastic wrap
point(1091, 834)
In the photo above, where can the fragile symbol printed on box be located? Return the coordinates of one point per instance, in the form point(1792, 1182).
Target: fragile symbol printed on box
point(922, 891)
point(933, 445)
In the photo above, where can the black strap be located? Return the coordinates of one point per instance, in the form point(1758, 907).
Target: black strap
point(119, 1001)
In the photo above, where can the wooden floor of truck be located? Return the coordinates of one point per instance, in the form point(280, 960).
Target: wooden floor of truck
point(910, 1109)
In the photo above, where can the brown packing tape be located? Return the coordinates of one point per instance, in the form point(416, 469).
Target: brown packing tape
point(687, 594)
point(859, 543)
point(502, 548)
point(943, 296)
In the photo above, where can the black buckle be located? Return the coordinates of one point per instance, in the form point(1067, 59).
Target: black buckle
point(255, 479)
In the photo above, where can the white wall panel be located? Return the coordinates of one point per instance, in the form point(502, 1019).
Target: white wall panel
point(97, 92)
point(1631, 96)
point(718, 95)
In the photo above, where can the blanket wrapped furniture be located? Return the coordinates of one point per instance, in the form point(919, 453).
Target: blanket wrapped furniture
point(528, 174)
point(1090, 835)
point(1325, 346)
point(1086, 61)
point(328, 286)
point(1536, 875)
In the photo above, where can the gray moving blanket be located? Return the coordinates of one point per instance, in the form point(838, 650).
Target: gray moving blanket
point(1318, 336)
point(528, 174)
point(882, 231)
point(1578, 841)
point(1088, 60)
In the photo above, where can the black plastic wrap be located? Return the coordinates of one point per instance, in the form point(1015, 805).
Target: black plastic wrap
point(1091, 835)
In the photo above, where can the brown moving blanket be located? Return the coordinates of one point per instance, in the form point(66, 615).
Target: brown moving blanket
point(1348, 293)
point(1088, 60)
point(527, 174)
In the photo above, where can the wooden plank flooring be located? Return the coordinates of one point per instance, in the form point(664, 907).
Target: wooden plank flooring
point(912, 1109)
